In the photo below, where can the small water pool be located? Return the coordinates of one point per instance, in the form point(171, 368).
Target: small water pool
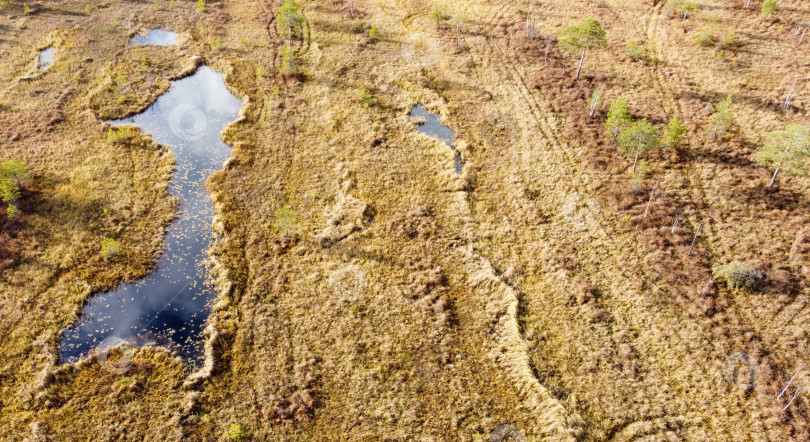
point(435, 129)
point(170, 306)
point(46, 58)
point(155, 37)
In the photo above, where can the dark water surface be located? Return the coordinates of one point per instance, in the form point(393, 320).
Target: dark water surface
point(157, 37)
point(170, 306)
point(434, 128)
point(46, 58)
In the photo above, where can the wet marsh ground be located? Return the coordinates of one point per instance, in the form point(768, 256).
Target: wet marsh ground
point(368, 291)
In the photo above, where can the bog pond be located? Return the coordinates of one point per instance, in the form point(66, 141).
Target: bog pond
point(432, 127)
point(155, 37)
point(46, 58)
point(169, 306)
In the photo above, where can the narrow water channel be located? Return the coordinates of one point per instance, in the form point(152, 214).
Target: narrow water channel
point(170, 306)
point(434, 128)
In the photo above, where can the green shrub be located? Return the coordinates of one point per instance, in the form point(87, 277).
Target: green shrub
point(738, 274)
point(201, 5)
point(729, 41)
point(235, 432)
point(12, 174)
point(285, 219)
point(721, 119)
point(9, 190)
point(706, 36)
point(122, 135)
point(363, 97)
point(634, 51)
point(13, 211)
point(110, 248)
point(357, 26)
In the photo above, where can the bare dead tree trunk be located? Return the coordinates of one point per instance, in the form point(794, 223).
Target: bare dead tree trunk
point(548, 48)
point(798, 390)
point(458, 36)
point(803, 33)
point(747, 3)
point(651, 197)
point(790, 94)
point(694, 239)
point(527, 23)
point(706, 288)
point(674, 225)
point(596, 98)
point(773, 178)
point(635, 163)
point(581, 59)
point(787, 386)
point(683, 21)
point(351, 8)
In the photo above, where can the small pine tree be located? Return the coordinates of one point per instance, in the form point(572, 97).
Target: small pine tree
point(618, 117)
point(586, 35)
point(201, 6)
point(9, 191)
point(673, 133)
point(437, 14)
point(686, 8)
point(768, 8)
point(787, 150)
point(14, 170)
point(373, 33)
point(721, 119)
point(457, 22)
point(289, 20)
point(290, 65)
point(638, 140)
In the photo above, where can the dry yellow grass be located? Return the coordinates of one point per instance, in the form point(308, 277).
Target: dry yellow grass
point(440, 306)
